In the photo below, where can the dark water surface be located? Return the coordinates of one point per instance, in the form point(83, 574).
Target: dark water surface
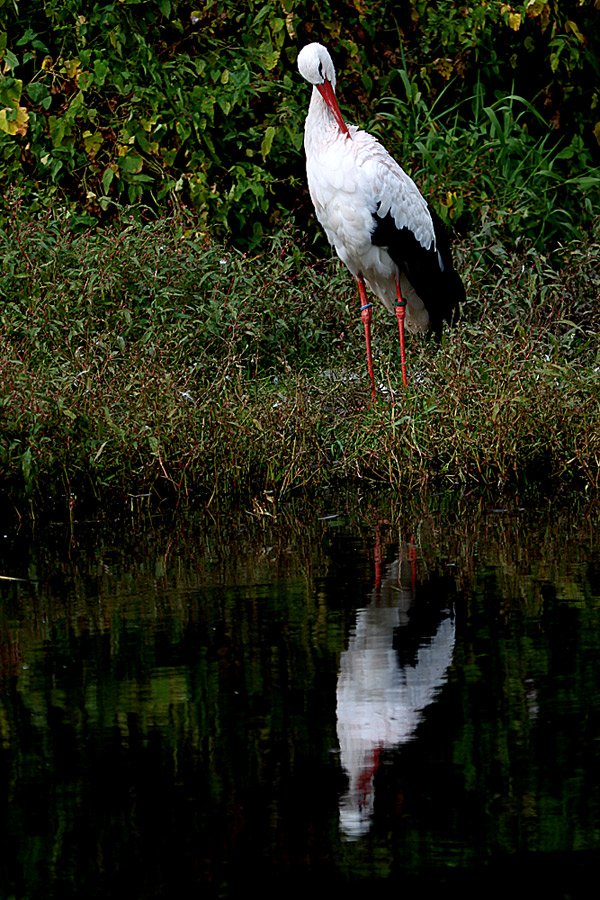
point(403, 697)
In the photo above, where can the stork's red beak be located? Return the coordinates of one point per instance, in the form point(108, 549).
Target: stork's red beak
point(328, 95)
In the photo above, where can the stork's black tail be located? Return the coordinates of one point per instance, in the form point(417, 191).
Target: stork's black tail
point(430, 272)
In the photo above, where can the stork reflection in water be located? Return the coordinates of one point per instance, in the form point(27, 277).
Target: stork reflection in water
point(388, 676)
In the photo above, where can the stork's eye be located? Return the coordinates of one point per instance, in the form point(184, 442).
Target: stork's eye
point(321, 69)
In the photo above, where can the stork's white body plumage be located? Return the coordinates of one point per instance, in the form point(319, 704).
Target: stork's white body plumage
point(373, 213)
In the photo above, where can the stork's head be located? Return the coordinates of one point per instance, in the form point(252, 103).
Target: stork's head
point(315, 64)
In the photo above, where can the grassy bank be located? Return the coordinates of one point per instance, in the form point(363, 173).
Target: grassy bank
point(142, 359)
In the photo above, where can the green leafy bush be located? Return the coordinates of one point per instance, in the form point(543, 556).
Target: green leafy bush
point(158, 104)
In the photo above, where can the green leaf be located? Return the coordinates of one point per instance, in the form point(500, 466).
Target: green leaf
point(37, 91)
point(26, 465)
point(92, 142)
point(107, 179)
point(10, 91)
point(267, 141)
point(496, 127)
point(58, 127)
point(101, 70)
point(132, 163)
point(10, 60)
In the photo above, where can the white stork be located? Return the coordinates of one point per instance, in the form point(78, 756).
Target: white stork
point(374, 215)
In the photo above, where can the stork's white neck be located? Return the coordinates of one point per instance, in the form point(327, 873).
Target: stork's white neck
point(320, 116)
point(321, 126)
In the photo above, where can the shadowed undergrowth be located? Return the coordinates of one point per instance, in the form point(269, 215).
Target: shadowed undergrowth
point(140, 359)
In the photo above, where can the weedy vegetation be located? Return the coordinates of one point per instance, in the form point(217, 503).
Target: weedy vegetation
point(143, 359)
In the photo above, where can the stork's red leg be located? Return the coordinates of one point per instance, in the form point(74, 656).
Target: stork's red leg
point(365, 314)
point(400, 314)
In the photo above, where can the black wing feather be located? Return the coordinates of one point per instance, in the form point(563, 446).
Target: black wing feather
point(439, 287)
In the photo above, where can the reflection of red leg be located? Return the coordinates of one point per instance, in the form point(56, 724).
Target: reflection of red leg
point(365, 314)
point(365, 788)
point(378, 562)
point(400, 314)
point(412, 555)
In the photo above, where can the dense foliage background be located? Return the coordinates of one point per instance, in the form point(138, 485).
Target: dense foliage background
point(493, 107)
